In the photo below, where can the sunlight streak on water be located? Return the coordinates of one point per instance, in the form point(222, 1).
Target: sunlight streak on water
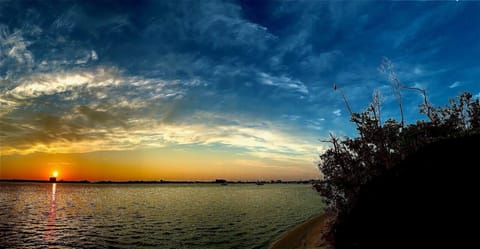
point(145, 216)
point(50, 228)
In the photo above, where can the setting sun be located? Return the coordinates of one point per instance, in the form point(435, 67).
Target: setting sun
point(55, 173)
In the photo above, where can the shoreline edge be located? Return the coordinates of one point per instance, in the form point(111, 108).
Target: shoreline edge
point(309, 234)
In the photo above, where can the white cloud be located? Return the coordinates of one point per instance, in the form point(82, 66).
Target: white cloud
point(455, 84)
point(101, 85)
point(87, 57)
point(37, 85)
point(94, 55)
point(282, 82)
point(52, 83)
point(337, 112)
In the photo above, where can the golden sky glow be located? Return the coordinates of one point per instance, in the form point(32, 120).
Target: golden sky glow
point(148, 150)
point(153, 164)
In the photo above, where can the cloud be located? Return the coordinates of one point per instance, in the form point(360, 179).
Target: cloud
point(232, 31)
point(226, 27)
point(50, 84)
point(316, 124)
point(455, 84)
point(87, 130)
point(88, 56)
point(14, 53)
point(83, 111)
point(282, 82)
point(90, 83)
point(337, 112)
point(94, 55)
point(291, 117)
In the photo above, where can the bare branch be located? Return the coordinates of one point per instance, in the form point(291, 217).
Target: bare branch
point(425, 100)
point(387, 68)
point(335, 88)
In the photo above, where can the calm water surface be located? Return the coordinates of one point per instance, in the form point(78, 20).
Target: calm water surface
point(151, 216)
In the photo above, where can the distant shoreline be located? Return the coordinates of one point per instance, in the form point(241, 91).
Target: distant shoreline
point(162, 182)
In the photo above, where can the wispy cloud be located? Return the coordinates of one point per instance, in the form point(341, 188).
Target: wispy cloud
point(316, 124)
point(455, 84)
point(72, 134)
point(291, 117)
point(50, 84)
point(14, 53)
point(283, 82)
point(337, 112)
point(101, 85)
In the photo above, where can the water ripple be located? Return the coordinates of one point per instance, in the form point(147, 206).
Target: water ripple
point(150, 216)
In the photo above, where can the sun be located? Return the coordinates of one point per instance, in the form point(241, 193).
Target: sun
point(55, 173)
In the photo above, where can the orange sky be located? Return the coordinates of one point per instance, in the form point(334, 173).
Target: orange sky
point(153, 164)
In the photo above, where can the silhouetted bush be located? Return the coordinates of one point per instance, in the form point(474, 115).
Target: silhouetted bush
point(426, 201)
point(353, 162)
point(376, 192)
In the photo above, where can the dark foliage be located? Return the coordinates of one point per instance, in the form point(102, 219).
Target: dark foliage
point(353, 162)
point(359, 172)
point(427, 201)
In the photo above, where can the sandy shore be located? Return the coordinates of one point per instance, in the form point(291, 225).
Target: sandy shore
point(306, 235)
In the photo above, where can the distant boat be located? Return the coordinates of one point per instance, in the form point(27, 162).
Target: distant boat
point(224, 184)
point(259, 183)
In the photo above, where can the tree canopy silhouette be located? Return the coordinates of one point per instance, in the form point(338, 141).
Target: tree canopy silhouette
point(352, 162)
point(356, 171)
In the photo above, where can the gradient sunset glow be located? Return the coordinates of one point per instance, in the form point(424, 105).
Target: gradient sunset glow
point(199, 90)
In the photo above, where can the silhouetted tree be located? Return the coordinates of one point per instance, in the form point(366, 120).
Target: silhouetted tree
point(353, 162)
point(356, 165)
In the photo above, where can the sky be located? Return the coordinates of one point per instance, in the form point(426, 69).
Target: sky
point(199, 90)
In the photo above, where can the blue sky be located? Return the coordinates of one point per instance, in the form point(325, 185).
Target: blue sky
point(249, 77)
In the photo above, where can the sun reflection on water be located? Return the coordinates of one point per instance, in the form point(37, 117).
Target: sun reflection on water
point(50, 229)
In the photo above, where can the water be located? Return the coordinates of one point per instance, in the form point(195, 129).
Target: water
point(36, 215)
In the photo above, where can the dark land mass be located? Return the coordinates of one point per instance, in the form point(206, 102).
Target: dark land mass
point(428, 201)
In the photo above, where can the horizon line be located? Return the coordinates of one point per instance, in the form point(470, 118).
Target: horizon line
point(219, 180)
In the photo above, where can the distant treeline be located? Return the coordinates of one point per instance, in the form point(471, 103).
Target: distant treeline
point(167, 182)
